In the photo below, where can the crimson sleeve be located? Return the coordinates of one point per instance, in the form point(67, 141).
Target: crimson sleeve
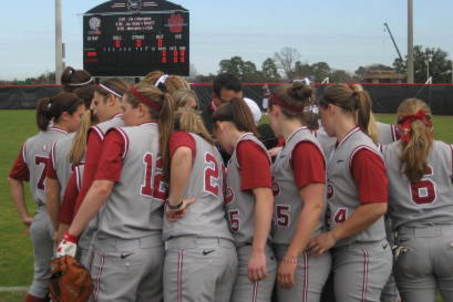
point(255, 167)
point(51, 172)
point(111, 161)
point(67, 210)
point(93, 153)
point(20, 171)
point(308, 164)
point(181, 139)
point(368, 171)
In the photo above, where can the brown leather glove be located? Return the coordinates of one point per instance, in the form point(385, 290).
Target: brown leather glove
point(70, 281)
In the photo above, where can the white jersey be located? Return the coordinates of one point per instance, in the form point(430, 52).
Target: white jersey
point(35, 153)
point(387, 133)
point(134, 209)
point(428, 202)
point(60, 161)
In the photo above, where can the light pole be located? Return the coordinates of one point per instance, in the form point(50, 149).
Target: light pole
point(58, 43)
point(410, 42)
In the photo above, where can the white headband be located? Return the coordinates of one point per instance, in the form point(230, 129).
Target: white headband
point(110, 90)
point(161, 80)
point(81, 84)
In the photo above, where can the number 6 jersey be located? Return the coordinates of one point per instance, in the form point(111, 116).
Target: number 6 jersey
point(430, 201)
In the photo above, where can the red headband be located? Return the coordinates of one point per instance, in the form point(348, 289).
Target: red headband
point(145, 100)
point(405, 124)
point(278, 101)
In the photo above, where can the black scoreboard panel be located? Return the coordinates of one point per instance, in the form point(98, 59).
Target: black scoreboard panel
point(135, 43)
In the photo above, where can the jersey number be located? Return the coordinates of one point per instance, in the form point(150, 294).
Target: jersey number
point(233, 217)
point(149, 188)
point(282, 215)
point(42, 160)
point(211, 174)
point(423, 192)
point(340, 215)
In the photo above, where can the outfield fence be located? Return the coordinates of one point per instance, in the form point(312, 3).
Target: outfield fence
point(386, 97)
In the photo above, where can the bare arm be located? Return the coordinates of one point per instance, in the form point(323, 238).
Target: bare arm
point(264, 206)
point(313, 195)
point(97, 195)
point(53, 200)
point(181, 168)
point(16, 188)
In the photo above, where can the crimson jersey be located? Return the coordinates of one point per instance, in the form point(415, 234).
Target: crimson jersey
point(34, 157)
point(206, 216)
point(427, 202)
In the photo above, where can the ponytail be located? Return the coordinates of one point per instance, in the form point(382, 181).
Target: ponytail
point(415, 121)
point(80, 140)
point(190, 120)
point(43, 113)
point(166, 125)
point(363, 104)
point(237, 112)
point(49, 109)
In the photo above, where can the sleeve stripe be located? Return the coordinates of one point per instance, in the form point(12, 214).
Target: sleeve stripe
point(99, 132)
point(78, 178)
point(357, 149)
point(24, 158)
point(52, 155)
point(126, 141)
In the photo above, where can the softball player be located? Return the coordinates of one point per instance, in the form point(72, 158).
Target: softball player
point(357, 199)
point(128, 184)
point(420, 171)
point(249, 201)
point(65, 111)
point(299, 181)
point(108, 111)
point(200, 261)
point(72, 79)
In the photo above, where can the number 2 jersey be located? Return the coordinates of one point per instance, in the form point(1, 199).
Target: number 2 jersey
point(206, 216)
point(31, 164)
point(430, 201)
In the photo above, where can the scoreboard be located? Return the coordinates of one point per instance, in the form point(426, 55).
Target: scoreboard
point(135, 37)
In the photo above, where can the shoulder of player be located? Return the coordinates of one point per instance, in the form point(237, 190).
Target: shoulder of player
point(360, 148)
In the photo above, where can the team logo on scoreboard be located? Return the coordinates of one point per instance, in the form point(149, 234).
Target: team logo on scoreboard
point(176, 23)
point(95, 25)
point(134, 4)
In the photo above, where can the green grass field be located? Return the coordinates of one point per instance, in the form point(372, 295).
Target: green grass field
point(16, 263)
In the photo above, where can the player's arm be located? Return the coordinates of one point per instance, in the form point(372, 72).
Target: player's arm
point(372, 189)
point(107, 174)
point(256, 177)
point(182, 152)
point(309, 172)
point(18, 175)
point(52, 190)
point(67, 208)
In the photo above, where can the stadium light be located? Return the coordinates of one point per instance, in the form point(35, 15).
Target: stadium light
point(410, 41)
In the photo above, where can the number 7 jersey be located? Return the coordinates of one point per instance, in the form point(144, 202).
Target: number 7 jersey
point(430, 201)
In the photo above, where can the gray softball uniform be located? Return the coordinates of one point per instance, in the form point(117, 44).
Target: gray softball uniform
point(35, 154)
point(363, 262)
point(422, 216)
point(312, 272)
point(240, 207)
point(201, 261)
point(127, 263)
point(60, 161)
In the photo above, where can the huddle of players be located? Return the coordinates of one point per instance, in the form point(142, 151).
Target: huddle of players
point(99, 172)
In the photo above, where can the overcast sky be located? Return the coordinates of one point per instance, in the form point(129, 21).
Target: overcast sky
point(344, 33)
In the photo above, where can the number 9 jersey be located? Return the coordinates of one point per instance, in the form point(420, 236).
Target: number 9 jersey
point(430, 200)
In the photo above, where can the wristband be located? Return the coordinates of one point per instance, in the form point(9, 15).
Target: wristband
point(70, 238)
point(176, 207)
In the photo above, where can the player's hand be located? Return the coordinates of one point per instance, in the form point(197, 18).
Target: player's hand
point(68, 246)
point(274, 151)
point(174, 215)
point(27, 221)
point(321, 243)
point(257, 269)
point(286, 272)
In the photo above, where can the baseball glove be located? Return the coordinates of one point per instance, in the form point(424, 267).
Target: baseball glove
point(70, 281)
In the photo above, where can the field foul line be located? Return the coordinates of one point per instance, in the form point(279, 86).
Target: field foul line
point(9, 289)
